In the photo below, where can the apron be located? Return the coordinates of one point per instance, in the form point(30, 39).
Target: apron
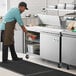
point(8, 33)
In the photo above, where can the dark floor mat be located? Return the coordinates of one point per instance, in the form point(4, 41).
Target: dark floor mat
point(23, 67)
point(53, 73)
point(30, 69)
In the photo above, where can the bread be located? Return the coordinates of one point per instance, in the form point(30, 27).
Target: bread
point(71, 25)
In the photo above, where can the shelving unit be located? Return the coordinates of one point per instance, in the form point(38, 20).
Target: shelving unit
point(33, 41)
point(59, 12)
point(32, 46)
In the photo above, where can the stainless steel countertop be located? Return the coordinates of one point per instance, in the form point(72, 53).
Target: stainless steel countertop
point(50, 29)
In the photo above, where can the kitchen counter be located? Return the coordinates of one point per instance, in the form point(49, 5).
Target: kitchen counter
point(66, 32)
point(44, 29)
point(50, 40)
point(50, 30)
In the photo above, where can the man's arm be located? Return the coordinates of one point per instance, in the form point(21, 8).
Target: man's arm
point(28, 34)
point(24, 29)
point(20, 22)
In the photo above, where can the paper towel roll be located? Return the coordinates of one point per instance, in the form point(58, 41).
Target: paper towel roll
point(61, 6)
point(51, 6)
point(70, 6)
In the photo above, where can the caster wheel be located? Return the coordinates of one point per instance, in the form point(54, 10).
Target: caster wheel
point(27, 56)
point(59, 65)
point(68, 67)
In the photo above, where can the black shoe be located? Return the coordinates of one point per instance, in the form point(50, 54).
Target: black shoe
point(5, 61)
point(16, 59)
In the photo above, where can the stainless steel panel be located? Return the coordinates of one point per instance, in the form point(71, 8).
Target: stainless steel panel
point(49, 47)
point(19, 41)
point(69, 50)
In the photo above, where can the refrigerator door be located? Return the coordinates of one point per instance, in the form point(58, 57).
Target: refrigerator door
point(49, 47)
point(69, 50)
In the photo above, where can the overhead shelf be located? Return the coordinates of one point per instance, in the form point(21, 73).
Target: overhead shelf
point(48, 9)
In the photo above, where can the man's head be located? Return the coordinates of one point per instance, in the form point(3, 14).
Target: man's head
point(22, 6)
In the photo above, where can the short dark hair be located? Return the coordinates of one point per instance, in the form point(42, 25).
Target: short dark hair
point(23, 4)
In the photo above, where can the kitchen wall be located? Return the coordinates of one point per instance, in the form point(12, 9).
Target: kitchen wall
point(3, 7)
point(66, 1)
point(61, 12)
point(35, 6)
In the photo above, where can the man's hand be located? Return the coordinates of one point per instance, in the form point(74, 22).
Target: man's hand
point(31, 36)
point(28, 34)
point(24, 29)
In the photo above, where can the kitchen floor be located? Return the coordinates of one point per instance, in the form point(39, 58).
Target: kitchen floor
point(34, 59)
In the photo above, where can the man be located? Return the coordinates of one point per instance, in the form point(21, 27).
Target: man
point(7, 26)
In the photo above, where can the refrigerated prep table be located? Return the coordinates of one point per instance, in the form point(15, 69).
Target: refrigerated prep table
point(50, 43)
point(57, 45)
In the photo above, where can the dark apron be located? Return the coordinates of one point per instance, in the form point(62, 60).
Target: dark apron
point(8, 33)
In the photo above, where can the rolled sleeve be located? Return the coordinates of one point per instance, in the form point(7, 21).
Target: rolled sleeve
point(2, 26)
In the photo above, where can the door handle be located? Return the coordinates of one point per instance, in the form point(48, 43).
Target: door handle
point(56, 39)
